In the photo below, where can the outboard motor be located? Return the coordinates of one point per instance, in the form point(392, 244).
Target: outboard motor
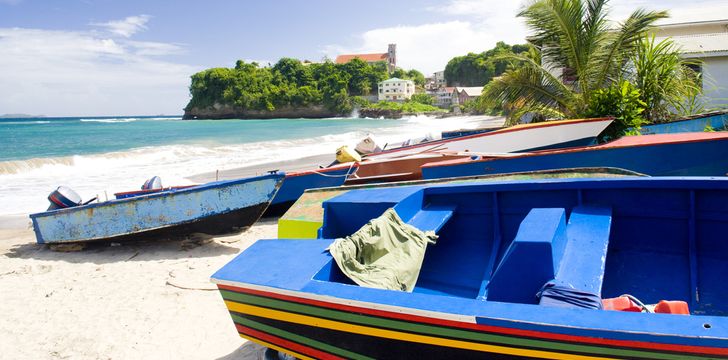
point(153, 183)
point(367, 146)
point(63, 197)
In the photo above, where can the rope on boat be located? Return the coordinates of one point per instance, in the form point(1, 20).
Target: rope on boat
point(348, 172)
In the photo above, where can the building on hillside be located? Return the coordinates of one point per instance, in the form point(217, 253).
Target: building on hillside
point(439, 78)
point(389, 57)
point(706, 41)
point(444, 96)
point(436, 81)
point(396, 89)
point(468, 93)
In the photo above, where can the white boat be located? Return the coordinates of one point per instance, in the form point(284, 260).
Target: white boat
point(519, 138)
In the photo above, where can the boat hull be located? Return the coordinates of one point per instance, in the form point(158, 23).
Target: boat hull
point(310, 327)
point(660, 239)
point(716, 121)
point(530, 137)
point(214, 209)
point(703, 157)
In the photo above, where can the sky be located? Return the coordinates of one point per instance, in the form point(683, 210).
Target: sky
point(134, 57)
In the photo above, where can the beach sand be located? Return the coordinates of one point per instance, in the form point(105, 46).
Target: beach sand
point(141, 300)
point(150, 300)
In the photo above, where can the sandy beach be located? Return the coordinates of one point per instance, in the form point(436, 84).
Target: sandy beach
point(149, 300)
point(135, 300)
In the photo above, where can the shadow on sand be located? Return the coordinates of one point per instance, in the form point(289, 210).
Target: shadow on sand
point(248, 351)
point(103, 252)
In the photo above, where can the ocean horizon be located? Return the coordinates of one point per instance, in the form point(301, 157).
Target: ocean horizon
point(97, 156)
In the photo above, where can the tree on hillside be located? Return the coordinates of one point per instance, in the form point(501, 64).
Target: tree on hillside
point(478, 69)
point(581, 53)
point(417, 77)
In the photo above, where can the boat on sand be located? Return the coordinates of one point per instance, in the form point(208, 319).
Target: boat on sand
point(519, 269)
point(214, 208)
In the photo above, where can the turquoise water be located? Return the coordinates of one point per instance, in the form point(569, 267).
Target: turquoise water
point(102, 155)
point(57, 137)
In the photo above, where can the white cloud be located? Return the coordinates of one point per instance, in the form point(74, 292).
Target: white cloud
point(680, 10)
point(429, 47)
point(482, 23)
point(126, 27)
point(59, 73)
point(479, 26)
point(485, 9)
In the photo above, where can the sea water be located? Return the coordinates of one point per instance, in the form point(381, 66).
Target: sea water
point(97, 156)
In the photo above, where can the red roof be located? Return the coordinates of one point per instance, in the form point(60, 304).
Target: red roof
point(343, 59)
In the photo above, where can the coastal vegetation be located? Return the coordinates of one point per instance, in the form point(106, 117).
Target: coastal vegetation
point(478, 69)
point(584, 65)
point(288, 87)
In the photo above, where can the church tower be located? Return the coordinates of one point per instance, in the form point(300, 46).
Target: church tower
point(392, 56)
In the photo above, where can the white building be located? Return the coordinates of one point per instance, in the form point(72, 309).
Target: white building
point(444, 96)
point(706, 41)
point(395, 89)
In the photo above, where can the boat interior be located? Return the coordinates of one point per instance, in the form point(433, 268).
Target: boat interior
point(654, 239)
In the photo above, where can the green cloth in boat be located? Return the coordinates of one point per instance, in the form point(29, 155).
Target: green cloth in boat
point(385, 253)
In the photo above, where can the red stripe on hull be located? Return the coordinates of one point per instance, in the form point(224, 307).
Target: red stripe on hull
point(488, 328)
point(301, 349)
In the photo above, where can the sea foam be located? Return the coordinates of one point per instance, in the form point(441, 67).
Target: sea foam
point(24, 184)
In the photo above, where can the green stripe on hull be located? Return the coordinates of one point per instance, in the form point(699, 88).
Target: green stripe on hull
point(440, 331)
point(298, 338)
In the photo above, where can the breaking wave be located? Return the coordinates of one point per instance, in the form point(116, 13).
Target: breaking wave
point(24, 184)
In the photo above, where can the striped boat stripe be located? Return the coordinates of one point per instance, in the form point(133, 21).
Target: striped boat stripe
point(391, 334)
point(660, 347)
point(269, 341)
point(248, 323)
point(410, 327)
point(444, 332)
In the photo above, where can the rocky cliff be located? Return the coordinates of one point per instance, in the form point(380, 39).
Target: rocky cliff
point(219, 111)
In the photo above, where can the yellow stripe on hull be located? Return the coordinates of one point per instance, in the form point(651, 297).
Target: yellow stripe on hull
point(391, 334)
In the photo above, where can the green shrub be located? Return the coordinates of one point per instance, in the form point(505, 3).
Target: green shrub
point(622, 101)
point(406, 107)
point(423, 98)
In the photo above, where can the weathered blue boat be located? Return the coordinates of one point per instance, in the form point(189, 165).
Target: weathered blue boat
point(694, 154)
point(215, 208)
point(520, 269)
point(715, 121)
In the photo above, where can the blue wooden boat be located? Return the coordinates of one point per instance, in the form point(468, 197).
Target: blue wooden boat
point(519, 270)
point(215, 208)
point(695, 154)
point(295, 183)
point(711, 121)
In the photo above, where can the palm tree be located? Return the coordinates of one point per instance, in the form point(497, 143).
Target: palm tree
point(666, 82)
point(580, 52)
